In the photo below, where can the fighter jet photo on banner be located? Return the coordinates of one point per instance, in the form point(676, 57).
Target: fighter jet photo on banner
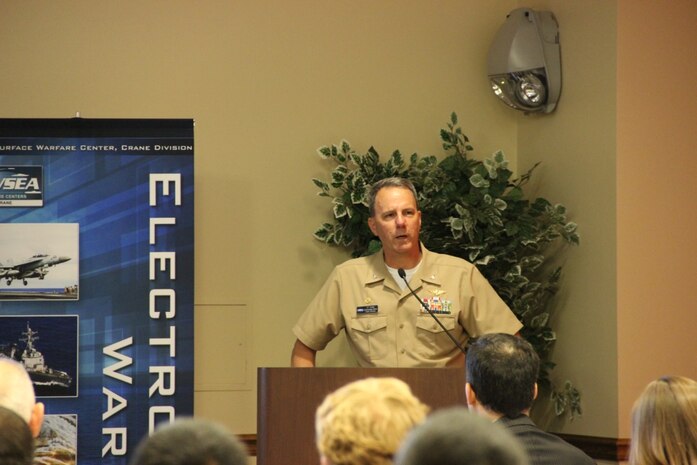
point(27, 268)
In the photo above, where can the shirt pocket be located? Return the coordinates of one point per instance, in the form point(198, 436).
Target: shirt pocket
point(432, 342)
point(370, 336)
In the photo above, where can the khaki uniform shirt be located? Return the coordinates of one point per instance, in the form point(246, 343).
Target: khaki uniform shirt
point(387, 327)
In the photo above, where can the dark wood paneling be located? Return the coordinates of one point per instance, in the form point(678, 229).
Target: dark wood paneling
point(250, 441)
point(615, 449)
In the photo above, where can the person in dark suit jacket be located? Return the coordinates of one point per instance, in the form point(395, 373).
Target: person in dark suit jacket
point(501, 385)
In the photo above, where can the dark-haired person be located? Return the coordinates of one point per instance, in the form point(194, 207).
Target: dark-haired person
point(454, 436)
point(189, 441)
point(16, 441)
point(384, 324)
point(502, 385)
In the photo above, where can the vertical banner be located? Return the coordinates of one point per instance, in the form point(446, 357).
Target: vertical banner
point(97, 277)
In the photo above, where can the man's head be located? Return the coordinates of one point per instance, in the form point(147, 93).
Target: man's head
point(190, 442)
point(365, 421)
point(455, 436)
point(16, 442)
point(395, 218)
point(501, 375)
point(17, 394)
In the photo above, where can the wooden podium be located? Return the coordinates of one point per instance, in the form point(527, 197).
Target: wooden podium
point(288, 397)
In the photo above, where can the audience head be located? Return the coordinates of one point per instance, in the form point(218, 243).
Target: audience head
point(17, 394)
point(190, 441)
point(664, 423)
point(364, 421)
point(455, 436)
point(502, 372)
point(16, 441)
point(389, 182)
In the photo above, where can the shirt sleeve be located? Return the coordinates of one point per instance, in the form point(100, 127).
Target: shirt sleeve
point(487, 312)
point(322, 320)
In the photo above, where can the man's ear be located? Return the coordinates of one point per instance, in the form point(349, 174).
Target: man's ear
point(371, 225)
point(36, 419)
point(534, 392)
point(470, 395)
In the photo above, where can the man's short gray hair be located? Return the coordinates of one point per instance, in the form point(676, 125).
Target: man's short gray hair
point(389, 182)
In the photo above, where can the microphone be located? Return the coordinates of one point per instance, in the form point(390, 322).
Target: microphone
point(402, 274)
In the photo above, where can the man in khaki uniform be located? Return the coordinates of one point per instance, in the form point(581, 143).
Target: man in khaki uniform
point(384, 324)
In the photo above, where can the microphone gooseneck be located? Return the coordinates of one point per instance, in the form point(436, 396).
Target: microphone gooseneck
point(402, 274)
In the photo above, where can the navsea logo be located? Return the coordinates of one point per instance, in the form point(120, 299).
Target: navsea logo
point(21, 186)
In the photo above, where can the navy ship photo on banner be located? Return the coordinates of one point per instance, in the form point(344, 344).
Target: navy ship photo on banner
point(47, 346)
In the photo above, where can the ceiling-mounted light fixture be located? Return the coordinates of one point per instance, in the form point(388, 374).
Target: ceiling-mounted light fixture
point(524, 64)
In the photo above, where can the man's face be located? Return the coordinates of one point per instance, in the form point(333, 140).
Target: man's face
point(396, 221)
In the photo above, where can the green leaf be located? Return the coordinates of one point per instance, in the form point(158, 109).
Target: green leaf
point(340, 210)
point(540, 320)
point(478, 181)
point(321, 184)
point(323, 232)
point(485, 260)
point(324, 152)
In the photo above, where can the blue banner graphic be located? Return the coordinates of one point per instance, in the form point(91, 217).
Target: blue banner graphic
point(106, 331)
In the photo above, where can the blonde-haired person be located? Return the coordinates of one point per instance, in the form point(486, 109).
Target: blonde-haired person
point(664, 423)
point(365, 421)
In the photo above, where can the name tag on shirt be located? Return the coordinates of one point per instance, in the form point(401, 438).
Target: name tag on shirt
point(366, 309)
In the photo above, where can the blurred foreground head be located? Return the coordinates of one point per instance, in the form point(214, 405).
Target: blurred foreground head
point(17, 394)
point(664, 423)
point(190, 442)
point(364, 421)
point(454, 436)
point(16, 442)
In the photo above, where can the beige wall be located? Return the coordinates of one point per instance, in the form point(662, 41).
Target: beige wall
point(656, 195)
point(576, 146)
point(270, 81)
